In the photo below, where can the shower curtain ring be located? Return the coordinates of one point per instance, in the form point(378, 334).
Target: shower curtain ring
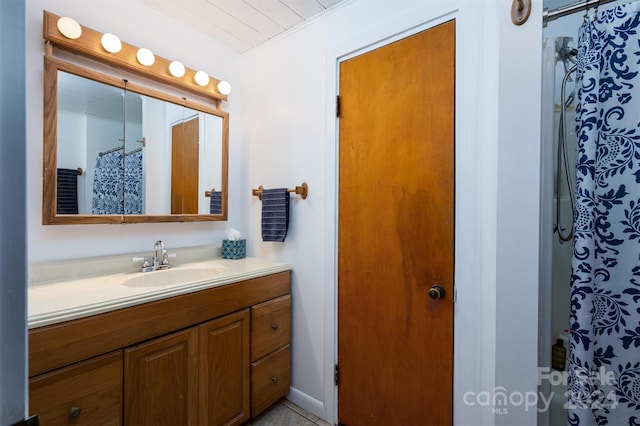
point(586, 10)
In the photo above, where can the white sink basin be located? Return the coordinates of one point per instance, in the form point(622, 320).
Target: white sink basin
point(169, 277)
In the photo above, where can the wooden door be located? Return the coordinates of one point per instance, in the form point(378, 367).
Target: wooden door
point(396, 232)
point(184, 167)
point(224, 370)
point(161, 381)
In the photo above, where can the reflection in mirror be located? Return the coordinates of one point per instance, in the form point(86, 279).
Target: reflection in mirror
point(140, 155)
point(195, 140)
point(90, 137)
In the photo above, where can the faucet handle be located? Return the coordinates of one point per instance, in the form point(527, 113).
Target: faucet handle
point(143, 259)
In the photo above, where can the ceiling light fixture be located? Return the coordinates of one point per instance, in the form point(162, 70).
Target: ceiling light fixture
point(111, 43)
point(201, 78)
point(176, 69)
point(224, 87)
point(69, 27)
point(145, 57)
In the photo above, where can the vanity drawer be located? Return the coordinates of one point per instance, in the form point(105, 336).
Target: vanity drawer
point(87, 393)
point(270, 379)
point(270, 326)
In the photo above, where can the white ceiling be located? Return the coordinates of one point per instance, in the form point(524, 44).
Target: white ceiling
point(240, 24)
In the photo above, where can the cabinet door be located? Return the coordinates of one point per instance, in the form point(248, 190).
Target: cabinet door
point(87, 393)
point(224, 370)
point(161, 381)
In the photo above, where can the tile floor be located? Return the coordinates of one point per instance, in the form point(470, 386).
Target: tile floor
point(286, 413)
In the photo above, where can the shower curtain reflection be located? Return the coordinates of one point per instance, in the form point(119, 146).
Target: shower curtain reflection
point(118, 183)
point(108, 191)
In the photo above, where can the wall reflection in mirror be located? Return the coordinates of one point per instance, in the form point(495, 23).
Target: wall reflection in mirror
point(139, 155)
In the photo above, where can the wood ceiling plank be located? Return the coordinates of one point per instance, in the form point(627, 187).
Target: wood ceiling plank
point(328, 3)
point(224, 21)
point(276, 11)
point(250, 16)
point(304, 8)
point(187, 18)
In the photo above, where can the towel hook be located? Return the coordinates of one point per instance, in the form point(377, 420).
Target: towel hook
point(520, 11)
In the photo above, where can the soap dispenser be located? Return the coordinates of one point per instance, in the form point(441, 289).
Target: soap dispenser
point(558, 355)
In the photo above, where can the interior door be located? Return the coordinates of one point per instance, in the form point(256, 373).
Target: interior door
point(184, 167)
point(396, 232)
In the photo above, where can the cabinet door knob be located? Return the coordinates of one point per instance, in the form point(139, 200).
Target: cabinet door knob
point(74, 412)
point(274, 327)
point(274, 379)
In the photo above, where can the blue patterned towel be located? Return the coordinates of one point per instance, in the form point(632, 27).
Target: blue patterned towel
point(67, 191)
point(215, 203)
point(275, 214)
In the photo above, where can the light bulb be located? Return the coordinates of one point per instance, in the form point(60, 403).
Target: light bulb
point(145, 57)
point(69, 27)
point(201, 78)
point(224, 87)
point(111, 43)
point(176, 69)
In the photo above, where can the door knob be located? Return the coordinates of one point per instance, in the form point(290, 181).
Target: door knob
point(436, 292)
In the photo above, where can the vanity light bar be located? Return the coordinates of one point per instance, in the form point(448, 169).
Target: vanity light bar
point(88, 44)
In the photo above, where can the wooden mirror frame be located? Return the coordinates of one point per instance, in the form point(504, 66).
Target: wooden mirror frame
point(50, 123)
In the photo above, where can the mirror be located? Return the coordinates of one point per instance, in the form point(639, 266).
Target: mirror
point(144, 156)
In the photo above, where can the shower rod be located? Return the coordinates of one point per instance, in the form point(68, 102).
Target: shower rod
point(579, 6)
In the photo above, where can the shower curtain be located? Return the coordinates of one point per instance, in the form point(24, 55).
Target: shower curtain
point(133, 178)
point(108, 184)
point(604, 366)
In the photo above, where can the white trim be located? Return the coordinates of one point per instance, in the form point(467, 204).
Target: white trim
point(306, 402)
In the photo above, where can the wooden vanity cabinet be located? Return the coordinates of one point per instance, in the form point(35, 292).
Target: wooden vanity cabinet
point(270, 352)
point(224, 370)
point(86, 393)
point(195, 376)
point(215, 357)
point(161, 381)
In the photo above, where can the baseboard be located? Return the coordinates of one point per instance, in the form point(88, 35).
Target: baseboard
point(310, 404)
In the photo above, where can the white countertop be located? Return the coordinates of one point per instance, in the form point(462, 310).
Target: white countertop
point(66, 299)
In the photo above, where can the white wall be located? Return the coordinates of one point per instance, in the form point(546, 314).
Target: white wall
point(289, 132)
point(141, 26)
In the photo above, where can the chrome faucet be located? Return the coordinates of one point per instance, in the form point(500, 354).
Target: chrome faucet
point(160, 258)
point(162, 261)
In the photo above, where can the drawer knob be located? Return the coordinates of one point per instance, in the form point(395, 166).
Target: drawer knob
point(274, 379)
point(74, 412)
point(274, 327)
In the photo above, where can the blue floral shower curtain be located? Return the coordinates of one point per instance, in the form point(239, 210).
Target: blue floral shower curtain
point(604, 366)
point(133, 178)
point(108, 184)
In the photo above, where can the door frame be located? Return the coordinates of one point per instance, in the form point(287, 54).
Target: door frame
point(335, 56)
point(475, 256)
point(421, 32)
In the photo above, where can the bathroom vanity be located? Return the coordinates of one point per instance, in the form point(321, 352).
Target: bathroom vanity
point(211, 353)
